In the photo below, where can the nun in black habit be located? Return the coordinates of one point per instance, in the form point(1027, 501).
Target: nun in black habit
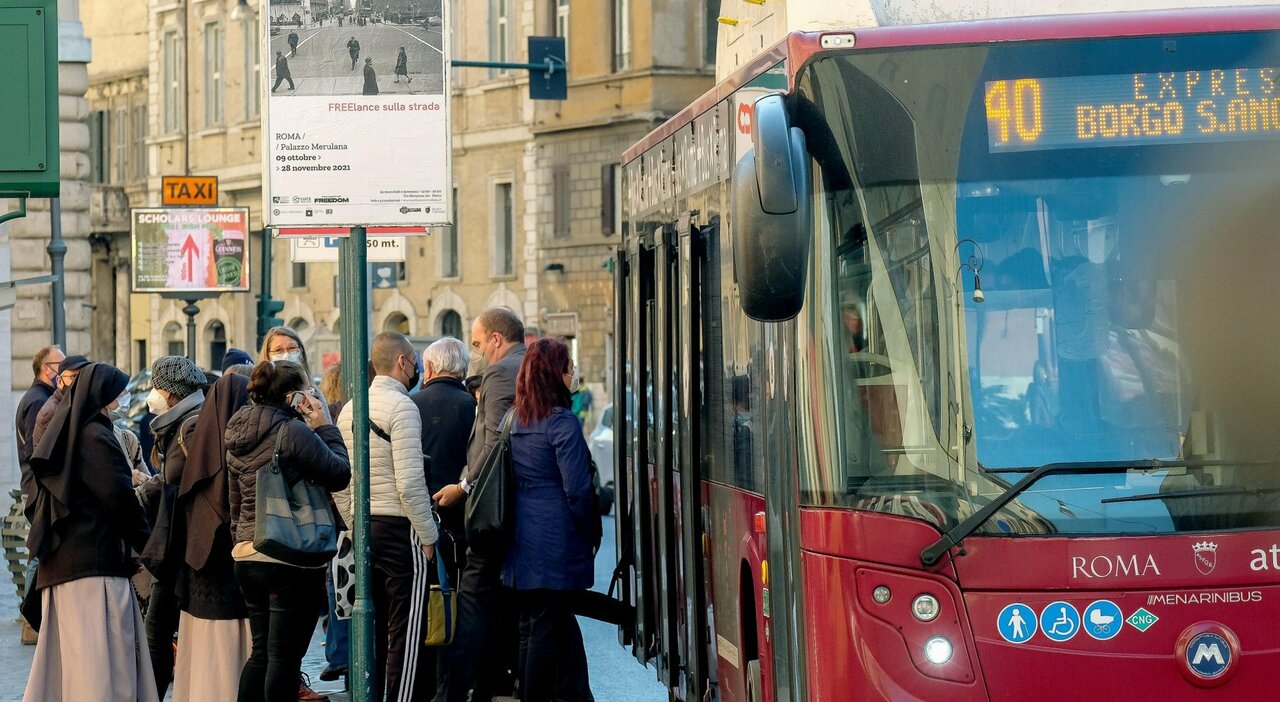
point(213, 632)
point(86, 524)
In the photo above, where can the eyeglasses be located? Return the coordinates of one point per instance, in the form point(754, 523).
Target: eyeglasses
point(286, 349)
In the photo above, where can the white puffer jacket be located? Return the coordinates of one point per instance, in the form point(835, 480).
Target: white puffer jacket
point(397, 481)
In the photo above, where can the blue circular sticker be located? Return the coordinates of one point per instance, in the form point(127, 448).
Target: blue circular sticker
point(1060, 621)
point(1017, 623)
point(1208, 656)
point(1102, 620)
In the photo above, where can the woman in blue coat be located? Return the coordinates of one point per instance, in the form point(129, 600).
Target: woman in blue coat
point(557, 526)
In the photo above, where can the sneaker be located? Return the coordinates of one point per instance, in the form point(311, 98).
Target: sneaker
point(306, 694)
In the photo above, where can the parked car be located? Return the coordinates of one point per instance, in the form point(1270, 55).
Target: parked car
point(600, 444)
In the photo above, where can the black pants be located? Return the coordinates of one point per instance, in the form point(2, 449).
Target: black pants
point(282, 78)
point(487, 644)
point(284, 604)
point(401, 582)
point(553, 660)
point(162, 624)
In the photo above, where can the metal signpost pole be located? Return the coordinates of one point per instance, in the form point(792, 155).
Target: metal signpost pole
point(355, 357)
point(191, 310)
point(57, 252)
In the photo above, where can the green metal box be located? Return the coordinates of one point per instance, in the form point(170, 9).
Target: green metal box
point(29, 98)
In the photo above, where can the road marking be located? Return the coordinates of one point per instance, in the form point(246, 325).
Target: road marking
point(318, 31)
point(424, 41)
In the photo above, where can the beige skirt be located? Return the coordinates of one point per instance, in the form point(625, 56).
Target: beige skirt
point(211, 654)
point(92, 646)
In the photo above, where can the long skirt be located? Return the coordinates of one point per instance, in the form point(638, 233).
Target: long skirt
point(92, 646)
point(211, 654)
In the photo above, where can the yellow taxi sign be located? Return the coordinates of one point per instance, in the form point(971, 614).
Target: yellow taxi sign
point(189, 190)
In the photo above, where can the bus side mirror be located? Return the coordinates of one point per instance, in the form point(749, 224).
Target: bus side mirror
point(772, 216)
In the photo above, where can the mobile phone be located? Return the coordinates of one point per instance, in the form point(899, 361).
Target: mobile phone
point(298, 402)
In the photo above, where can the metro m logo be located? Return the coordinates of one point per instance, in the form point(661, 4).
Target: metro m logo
point(1208, 652)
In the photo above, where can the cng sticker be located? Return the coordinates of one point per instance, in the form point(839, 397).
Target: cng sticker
point(1142, 619)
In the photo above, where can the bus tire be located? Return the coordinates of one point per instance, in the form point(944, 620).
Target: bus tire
point(755, 688)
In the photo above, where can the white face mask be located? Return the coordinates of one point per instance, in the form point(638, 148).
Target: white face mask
point(574, 380)
point(293, 357)
point(157, 402)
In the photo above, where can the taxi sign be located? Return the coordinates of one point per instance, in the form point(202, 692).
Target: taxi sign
point(190, 191)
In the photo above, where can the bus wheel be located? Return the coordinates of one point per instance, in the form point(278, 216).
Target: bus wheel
point(755, 691)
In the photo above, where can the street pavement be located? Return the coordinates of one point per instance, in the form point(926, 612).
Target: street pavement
point(323, 64)
point(615, 675)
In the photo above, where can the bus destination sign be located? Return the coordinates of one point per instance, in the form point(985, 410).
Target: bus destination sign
point(1136, 109)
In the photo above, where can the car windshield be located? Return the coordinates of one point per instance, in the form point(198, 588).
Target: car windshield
point(1115, 203)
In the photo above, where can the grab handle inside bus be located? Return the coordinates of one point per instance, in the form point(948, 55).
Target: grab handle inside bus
point(772, 215)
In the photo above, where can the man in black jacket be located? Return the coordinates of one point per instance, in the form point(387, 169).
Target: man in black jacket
point(498, 335)
point(448, 411)
point(44, 366)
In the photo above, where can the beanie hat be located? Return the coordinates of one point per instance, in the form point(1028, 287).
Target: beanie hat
point(235, 357)
point(177, 375)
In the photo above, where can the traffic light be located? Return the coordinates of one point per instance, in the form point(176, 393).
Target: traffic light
point(267, 311)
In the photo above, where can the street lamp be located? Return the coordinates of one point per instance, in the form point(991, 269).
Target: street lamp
point(241, 11)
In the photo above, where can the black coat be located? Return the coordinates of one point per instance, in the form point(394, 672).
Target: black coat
point(319, 456)
point(448, 412)
point(86, 516)
point(25, 423)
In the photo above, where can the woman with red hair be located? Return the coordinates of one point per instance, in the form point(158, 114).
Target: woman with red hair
point(557, 525)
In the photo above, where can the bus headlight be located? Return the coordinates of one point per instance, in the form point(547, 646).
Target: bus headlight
point(937, 650)
point(881, 594)
point(925, 608)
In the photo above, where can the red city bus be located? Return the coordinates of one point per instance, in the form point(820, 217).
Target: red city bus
point(947, 366)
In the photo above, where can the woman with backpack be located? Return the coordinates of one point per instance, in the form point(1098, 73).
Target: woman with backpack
point(290, 426)
point(557, 521)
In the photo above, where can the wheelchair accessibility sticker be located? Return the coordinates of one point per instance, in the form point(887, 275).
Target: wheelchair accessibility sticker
point(1103, 620)
point(1059, 621)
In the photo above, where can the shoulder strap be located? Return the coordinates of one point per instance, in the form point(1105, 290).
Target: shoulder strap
point(379, 431)
point(182, 431)
point(508, 420)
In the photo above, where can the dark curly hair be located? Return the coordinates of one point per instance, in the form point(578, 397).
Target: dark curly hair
point(540, 383)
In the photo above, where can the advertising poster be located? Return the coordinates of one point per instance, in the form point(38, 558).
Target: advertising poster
point(357, 113)
point(191, 249)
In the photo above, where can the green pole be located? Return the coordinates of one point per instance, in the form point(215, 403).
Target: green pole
point(355, 359)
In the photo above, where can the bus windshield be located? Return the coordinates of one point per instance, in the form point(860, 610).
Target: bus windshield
point(1055, 252)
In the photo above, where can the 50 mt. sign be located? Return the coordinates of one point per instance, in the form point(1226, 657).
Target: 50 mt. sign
point(191, 249)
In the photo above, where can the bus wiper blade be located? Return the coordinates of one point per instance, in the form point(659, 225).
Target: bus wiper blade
point(1191, 492)
point(930, 556)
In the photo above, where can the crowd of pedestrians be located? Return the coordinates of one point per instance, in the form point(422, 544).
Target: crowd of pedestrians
point(164, 571)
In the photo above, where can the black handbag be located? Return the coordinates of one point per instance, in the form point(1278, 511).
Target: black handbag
point(293, 523)
point(491, 504)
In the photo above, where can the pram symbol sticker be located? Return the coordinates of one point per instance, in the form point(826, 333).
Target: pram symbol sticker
point(1103, 620)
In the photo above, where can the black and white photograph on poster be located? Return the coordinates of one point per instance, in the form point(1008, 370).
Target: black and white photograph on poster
point(342, 76)
point(356, 47)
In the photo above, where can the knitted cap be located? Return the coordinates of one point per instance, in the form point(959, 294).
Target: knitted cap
point(234, 357)
point(177, 375)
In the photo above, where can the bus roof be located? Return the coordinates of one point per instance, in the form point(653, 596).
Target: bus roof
point(801, 47)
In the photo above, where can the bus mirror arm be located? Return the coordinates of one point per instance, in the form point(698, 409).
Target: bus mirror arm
point(772, 212)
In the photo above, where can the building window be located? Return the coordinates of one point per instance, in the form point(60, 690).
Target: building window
point(396, 322)
point(451, 324)
point(449, 244)
point(503, 242)
point(138, 162)
point(384, 276)
point(560, 202)
point(298, 279)
point(175, 343)
point(120, 145)
point(621, 35)
point(499, 35)
point(171, 82)
point(610, 195)
point(99, 146)
point(562, 19)
point(213, 113)
point(252, 71)
point(711, 32)
point(141, 362)
point(216, 334)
